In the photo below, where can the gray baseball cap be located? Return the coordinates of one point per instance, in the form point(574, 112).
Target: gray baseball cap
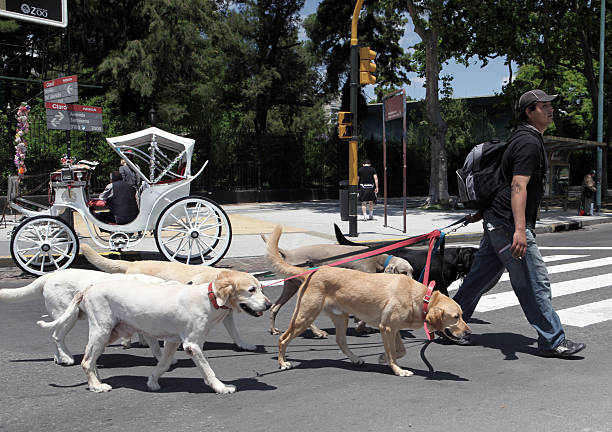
point(535, 96)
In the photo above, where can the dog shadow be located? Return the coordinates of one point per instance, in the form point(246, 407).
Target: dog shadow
point(344, 364)
point(183, 385)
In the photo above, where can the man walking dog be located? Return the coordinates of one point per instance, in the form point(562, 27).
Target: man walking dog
point(508, 241)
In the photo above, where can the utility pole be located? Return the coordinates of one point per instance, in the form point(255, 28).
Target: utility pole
point(352, 188)
point(602, 32)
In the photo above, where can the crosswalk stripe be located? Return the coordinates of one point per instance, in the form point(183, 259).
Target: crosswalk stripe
point(508, 298)
point(561, 268)
point(551, 258)
point(587, 314)
point(454, 286)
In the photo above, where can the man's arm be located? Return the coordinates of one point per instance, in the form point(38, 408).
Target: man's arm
point(518, 200)
point(376, 183)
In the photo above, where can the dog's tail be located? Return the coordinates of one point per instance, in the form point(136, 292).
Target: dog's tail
point(275, 259)
point(70, 314)
point(26, 293)
point(101, 263)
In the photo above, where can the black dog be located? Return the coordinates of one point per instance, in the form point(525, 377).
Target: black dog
point(456, 264)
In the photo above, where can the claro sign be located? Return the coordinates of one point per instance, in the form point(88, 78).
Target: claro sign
point(48, 12)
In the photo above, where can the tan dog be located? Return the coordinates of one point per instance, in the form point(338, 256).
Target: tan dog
point(391, 302)
point(311, 254)
point(166, 270)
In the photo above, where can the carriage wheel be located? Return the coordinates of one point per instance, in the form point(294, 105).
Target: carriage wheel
point(193, 230)
point(43, 244)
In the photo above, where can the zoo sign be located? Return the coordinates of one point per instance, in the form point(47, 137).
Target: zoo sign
point(48, 12)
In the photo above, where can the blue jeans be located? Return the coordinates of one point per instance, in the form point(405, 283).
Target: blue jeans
point(529, 279)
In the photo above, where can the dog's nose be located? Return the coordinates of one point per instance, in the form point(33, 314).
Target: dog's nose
point(268, 305)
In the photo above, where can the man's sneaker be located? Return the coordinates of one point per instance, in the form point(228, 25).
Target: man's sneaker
point(371, 217)
point(566, 348)
point(445, 339)
point(364, 218)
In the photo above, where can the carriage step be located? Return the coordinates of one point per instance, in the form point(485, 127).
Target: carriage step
point(20, 200)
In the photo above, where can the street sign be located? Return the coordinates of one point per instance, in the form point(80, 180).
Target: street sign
point(48, 12)
point(63, 90)
point(75, 117)
point(394, 107)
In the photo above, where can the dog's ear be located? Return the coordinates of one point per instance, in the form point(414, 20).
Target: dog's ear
point(224, 287)
point(434, 317)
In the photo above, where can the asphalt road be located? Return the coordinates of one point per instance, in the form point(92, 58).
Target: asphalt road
point(498, 384)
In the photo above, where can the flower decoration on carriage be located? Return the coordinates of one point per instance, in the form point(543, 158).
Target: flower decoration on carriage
point(65, 160)
point(21, 143)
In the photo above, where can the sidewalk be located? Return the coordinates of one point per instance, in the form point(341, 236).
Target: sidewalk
point(313, 223)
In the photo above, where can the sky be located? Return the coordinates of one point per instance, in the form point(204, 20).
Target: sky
point(468, 81)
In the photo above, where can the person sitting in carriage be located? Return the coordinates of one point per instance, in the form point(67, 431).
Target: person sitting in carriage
point(120, 198)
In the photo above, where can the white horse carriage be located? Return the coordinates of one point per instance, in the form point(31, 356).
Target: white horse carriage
point(187, 228)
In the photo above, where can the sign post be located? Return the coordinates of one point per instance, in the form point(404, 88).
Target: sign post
point(394, 107)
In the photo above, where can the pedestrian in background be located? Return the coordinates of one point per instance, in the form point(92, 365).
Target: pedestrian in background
point(588, 193)
point(508, 241)
point(368, 188)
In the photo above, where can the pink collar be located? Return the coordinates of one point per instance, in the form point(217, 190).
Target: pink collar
point(213, 299)
point(426, 299)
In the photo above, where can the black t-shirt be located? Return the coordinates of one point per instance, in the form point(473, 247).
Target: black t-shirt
point(366, 174)
point(525, 155)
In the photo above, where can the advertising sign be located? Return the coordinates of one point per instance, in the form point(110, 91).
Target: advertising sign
point(48, 12)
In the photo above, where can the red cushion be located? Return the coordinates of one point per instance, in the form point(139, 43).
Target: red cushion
point(96, 203)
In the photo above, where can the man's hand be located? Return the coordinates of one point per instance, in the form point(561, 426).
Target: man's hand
point(519, 244)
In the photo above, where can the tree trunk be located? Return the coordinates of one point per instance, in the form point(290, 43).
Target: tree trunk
point(438, 181)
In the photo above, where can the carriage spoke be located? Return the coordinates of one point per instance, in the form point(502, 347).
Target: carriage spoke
point(19, 251)
point(180, 222)
point(51, 259)
point(33, 258)
point(61, 252)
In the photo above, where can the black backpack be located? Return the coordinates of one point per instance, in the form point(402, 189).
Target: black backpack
point(480, 178)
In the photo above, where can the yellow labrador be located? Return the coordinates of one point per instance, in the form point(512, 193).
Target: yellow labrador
point(391, 302)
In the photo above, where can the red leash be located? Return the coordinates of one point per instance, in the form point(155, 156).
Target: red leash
point(432, 236)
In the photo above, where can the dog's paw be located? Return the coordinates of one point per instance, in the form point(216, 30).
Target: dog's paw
point(225, 389)
point(403, 372)
point(64, 360)
point(100, 388)
point(152, 384)
point(358, 361)
point(275, 331)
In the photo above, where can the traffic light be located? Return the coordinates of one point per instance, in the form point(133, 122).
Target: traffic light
point(367, 66)
point(345, 124)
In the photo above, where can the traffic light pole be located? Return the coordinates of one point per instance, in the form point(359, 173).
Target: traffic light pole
point(353, 187)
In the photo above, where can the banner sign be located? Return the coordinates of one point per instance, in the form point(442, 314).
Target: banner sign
point(75, 117)
point(64, 90)
point(48, 12)
point(394, 107)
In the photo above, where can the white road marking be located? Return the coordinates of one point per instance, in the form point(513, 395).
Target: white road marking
point(508, 298)
point(549, 258)
point(587, 248)
point(587, 314)
point(561, 268)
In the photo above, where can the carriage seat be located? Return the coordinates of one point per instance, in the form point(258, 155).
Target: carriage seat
point(180, 171)
point(95, 204)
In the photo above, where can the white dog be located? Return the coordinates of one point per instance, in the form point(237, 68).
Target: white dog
point(183, 273)
point(177, 314)
point(58, 288)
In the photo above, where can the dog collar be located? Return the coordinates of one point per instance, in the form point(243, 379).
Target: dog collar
point(213, 299)
point(426, 300)
point(387, 261)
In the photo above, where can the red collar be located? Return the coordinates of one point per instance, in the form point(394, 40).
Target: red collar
point(213, 299)
point(426, 299)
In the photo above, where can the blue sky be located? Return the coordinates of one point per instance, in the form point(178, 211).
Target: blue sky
point(468, 81)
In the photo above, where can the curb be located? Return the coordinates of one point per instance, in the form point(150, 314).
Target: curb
point(571, 225)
